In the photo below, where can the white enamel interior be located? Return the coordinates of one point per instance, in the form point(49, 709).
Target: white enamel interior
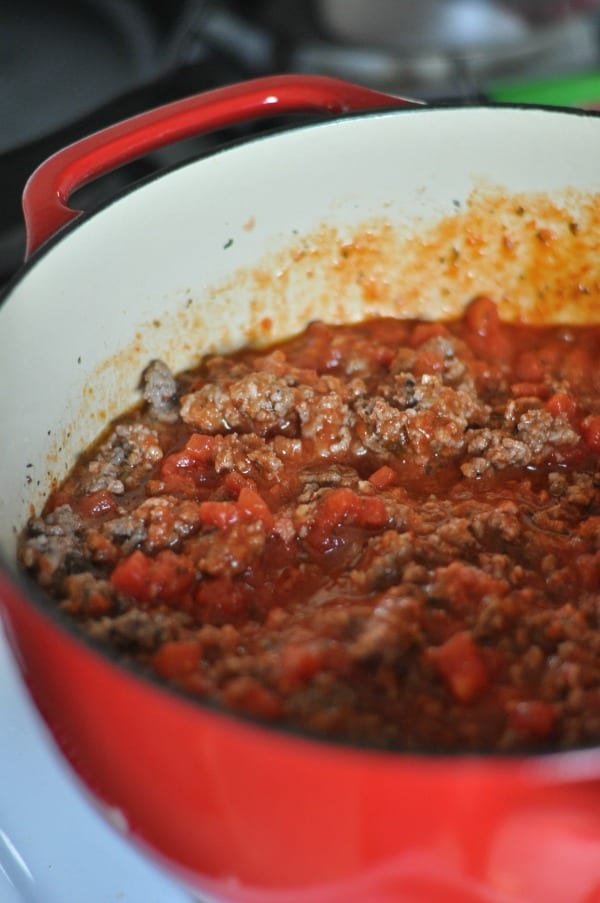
point(168, 253)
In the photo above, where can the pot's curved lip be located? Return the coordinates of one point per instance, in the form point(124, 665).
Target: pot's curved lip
point(273, 133)
point(579, 763)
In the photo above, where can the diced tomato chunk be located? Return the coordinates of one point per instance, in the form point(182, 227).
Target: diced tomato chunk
point(345, 507)
point(339, 505)
point(219, 514)
point(482, 316)
point(372, 513)
point(428, 362)
point(298, 663)
point(461, 666)
point(176, 462)
point(222, 600)
point(187, 471)
point(249, 506)
point(485, 331)
point(383, 355)
point(200, 447)
point(248, 695)
point(425, 331)
point(176, 658)
point(174, 574)
point(533, 717)
point(383, 477)
point(132, 576)
point(167, 576)
point(254, 507)
point(529, 368)
point(97, 504)
point(561, 403)
point(234, 482)
point(529, 390)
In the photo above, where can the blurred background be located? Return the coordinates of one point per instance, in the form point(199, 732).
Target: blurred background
point(72, 66)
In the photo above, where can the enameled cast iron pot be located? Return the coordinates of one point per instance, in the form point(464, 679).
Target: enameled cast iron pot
point(381, 210)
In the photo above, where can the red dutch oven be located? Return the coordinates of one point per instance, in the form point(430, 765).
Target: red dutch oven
point(245, 246)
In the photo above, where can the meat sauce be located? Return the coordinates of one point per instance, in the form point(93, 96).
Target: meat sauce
point(386, 532)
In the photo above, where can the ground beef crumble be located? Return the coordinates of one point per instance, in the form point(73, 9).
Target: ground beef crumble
point(387, 532)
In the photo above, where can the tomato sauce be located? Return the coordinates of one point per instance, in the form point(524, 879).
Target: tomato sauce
point(386, 532)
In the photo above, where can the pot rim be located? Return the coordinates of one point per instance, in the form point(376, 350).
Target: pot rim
point(236, 143)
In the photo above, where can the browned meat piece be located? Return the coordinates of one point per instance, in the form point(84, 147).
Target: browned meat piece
point(128, 532)
point(158, 523)
point(327, 421)
point(579, 489)
point(255, 456)
point(227, 552)
point(391, 630)
point(543, 433)
point(314, 480)
point(421, 414)
point(383, 562)
point(256, 402)
point(54, 545)
point(381, 427)
point(123, 460)
point(87, 595)
point(137, 630)
point(160, 392)
point(537, 435)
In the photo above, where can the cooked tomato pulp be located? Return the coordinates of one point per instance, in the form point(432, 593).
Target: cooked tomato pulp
point(387, 532)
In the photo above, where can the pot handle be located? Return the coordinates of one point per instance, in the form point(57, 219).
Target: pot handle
point(47, 192)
